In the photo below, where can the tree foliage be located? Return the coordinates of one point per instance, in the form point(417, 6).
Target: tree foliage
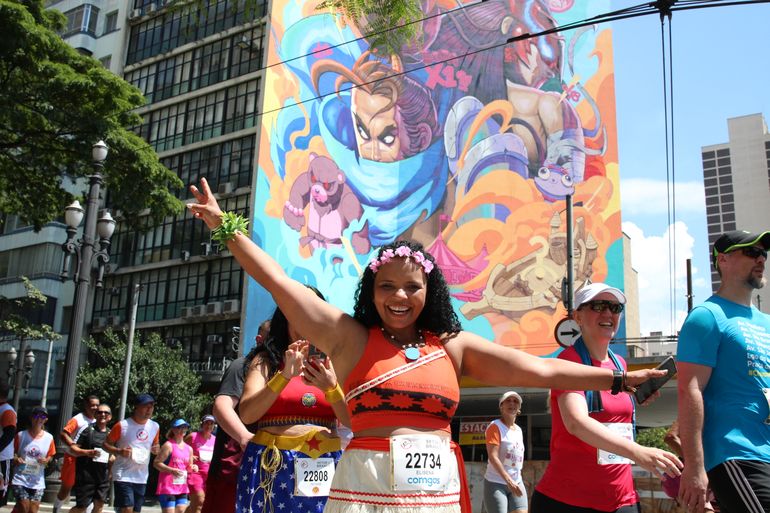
point(55, 104)
point(15, 314)
point(653, 437)
point(155, 369)
point(388, 25)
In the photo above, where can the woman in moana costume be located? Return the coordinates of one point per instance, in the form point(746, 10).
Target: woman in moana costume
point(399, 359)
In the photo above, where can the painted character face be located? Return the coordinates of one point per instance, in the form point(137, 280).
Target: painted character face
point(379, 135)
point(400, 288)
point(555, 182)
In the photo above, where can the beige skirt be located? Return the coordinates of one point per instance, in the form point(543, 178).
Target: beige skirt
point(362, 484)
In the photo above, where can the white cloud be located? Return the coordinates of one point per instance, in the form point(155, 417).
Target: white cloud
point(644, 196)
point(650, 257)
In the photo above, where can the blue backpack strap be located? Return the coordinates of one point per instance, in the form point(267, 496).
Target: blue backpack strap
point(593, 397)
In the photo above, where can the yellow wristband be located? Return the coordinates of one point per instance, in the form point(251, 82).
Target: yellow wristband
point(335, 394)
point(277, 383)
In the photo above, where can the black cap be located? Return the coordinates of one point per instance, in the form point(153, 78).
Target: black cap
point(737, 239)
point(142, 399)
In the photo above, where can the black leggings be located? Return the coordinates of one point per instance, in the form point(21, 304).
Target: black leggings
point(544, 504)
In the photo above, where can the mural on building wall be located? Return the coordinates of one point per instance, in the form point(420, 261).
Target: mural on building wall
point(459, 141)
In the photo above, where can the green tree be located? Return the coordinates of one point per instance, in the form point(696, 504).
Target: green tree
point(55, 103)
point(15, 320)
point(156, 369)
point(653, 437)
point(388, 25)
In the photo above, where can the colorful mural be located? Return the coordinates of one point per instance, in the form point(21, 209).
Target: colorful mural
point(460, 141)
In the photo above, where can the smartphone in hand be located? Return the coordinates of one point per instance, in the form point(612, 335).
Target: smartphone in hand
point(652, 385)
point(314, 355)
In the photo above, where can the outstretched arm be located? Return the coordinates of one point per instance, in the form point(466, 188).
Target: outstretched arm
point(333, 331)
point(498, 365)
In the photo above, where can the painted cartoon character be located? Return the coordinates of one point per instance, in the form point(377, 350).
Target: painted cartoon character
point(333, 206)
point(394, 116)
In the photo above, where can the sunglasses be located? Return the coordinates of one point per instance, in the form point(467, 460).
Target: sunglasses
point(754, 252)
point(601, 305)
point(40, 416)
point(103, 413)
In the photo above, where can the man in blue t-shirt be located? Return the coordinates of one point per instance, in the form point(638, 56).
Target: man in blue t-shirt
point(724, 384)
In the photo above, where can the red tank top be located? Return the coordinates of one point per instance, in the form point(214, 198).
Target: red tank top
point(299, 403)
point(423, 397)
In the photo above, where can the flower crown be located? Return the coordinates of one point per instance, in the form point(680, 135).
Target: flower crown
point(401, 252)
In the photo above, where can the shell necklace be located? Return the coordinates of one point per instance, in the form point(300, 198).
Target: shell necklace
point(411, 350)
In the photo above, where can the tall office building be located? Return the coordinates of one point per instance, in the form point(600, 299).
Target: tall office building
point(200, 73)
point(736, 175)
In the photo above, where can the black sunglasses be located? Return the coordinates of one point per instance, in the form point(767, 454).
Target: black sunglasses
point(754, 252)
point(103, 413)
point(601, 305)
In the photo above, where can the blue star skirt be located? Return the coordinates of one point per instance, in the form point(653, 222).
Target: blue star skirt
point(266, 480)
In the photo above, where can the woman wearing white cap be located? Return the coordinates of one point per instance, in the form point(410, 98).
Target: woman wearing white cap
point(504, 490)
point(592, 446)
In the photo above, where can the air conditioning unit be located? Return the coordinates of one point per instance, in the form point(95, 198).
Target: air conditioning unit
point(231, 306)
point(113, 321)
point(225, 188)
point(214, 339)
point(99, 323)
point(187, 312)
point(136, 13)
point(214, 308)
point(198, 310)
point(151, 8)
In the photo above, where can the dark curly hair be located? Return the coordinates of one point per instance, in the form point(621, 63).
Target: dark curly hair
point(277, 342)
point(438, 316)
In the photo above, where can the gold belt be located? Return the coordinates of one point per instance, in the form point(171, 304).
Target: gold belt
point(313, 443)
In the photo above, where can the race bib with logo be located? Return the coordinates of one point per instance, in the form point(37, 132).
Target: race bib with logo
point(624, 429)
point(32, 467)
point(313, 476)
point(180, 479)
point(140, 455)
point(419, 462)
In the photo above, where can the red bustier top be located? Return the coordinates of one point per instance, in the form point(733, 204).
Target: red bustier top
point(425, 396)
point(299, 403)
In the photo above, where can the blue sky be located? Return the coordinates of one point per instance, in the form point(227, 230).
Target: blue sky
point(720, 71)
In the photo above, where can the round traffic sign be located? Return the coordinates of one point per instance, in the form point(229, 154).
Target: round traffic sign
point(567, 332)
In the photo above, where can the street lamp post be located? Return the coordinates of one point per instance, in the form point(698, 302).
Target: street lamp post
point(22, 373)
point(85, 252)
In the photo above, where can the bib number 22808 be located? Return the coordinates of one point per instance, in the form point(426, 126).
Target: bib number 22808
point(419, 462)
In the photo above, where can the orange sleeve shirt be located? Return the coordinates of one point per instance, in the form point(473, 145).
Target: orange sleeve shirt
point(8, 418)
point(71, 426)
point(114, 434)
point(492, 435)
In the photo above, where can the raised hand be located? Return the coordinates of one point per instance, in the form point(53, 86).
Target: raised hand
point(206, 206)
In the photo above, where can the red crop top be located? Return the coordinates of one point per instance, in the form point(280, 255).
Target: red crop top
point(299, 403)
point(422, 397)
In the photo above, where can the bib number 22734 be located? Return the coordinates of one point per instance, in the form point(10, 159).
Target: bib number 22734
point(419, 462)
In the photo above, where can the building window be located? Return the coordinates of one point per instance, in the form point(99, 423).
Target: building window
point(228, 162)
point(82, 19)
point(723, 153)
point(174, 29)
point(221, 60)
point(110, 22)
point(41, 260)
point(106, 61)
point(204, 117)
